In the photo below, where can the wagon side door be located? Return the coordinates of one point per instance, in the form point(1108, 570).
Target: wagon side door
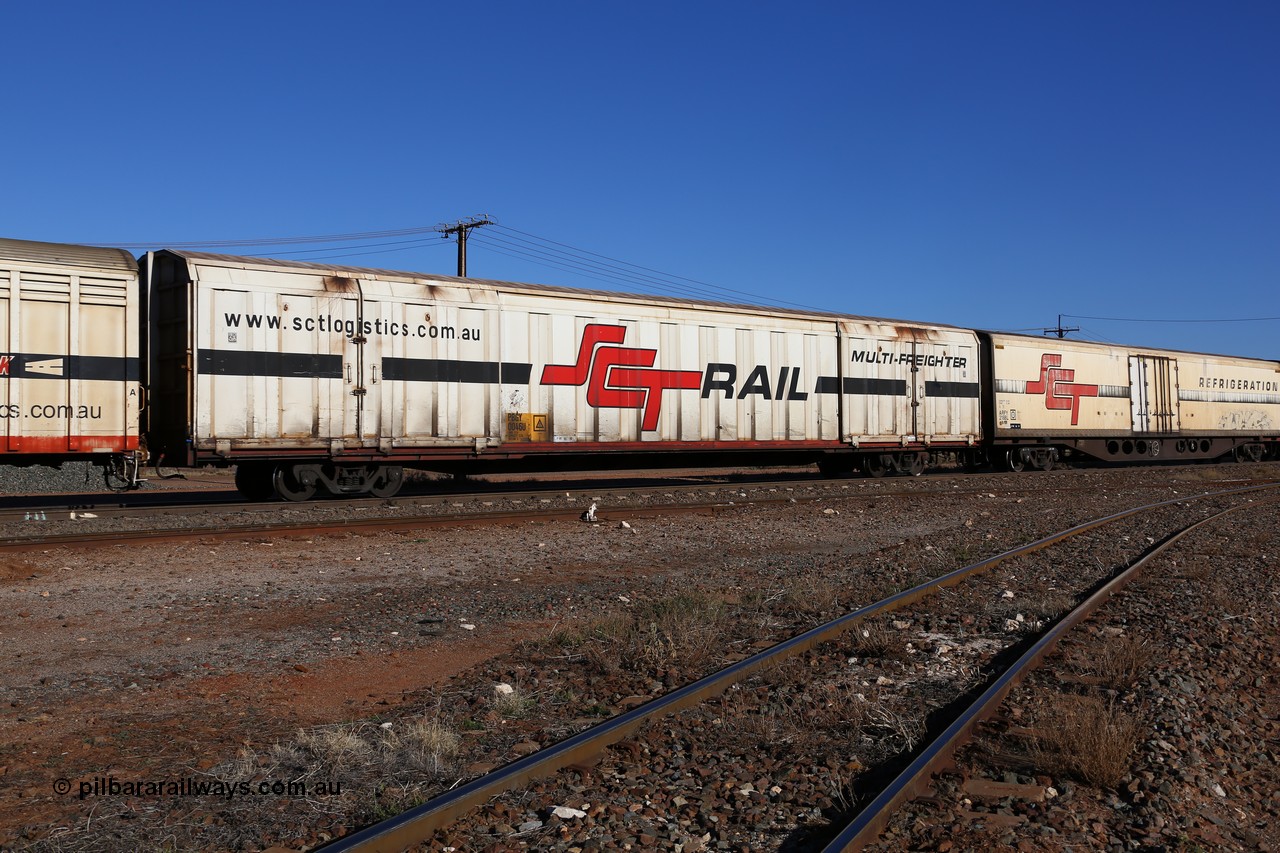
point(1153, 394)
point(946, 388)
point(361, 383)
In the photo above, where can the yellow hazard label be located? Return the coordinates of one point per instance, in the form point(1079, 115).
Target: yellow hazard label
point(526, 427)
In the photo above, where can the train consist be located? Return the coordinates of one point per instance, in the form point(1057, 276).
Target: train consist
point(308, 377)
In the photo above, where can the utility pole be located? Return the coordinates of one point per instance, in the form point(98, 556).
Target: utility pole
point(1060, 331)
point(462, 228)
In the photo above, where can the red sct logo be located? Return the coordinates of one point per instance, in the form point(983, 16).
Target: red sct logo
point(1058, 389)
point(619, 377)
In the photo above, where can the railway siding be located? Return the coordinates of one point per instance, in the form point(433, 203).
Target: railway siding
point(1186, 654)
point(263, 664)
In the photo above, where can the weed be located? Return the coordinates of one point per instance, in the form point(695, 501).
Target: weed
point(1086, 738)
point(1047, 606)
point(336, 748)
point(684, 629)
point(874, 639)
point(840, 708)
point(806, 597)
point(511, 702)
point(902, 729)
point(1120, 663)
point(429, 744)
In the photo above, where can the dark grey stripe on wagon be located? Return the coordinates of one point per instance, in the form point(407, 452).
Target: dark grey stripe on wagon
point(864, 387)
point(951, 389)
point(287, 364)
point(82, 367)
point(453, 370)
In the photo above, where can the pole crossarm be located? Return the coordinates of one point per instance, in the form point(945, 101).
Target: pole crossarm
point(462, 228)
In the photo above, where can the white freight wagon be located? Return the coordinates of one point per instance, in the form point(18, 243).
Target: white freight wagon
point(909, 385)
point(306, 375)
point(69, 361)
point(1128, 403)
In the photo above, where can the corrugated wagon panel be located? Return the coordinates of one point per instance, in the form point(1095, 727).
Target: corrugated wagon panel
point(1228, 396)
point(1081, 388)
point(1054, 387)
point(910, 383)
point(69, 349)
point(399, 366)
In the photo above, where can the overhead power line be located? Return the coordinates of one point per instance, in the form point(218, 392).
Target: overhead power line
point(1152, 320)
point(270, 241)
point(404, 245)
point(502, 240)
point(411, 244)
point(547, 252)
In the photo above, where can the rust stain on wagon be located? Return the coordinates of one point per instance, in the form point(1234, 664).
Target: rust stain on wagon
point(339, 284)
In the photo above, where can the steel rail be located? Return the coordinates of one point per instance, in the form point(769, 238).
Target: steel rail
point(36, 541)
point(330, 526)
point(938, 756)
point(417, 824)
point(55, 508)
point(84, 507)
point(70, 507)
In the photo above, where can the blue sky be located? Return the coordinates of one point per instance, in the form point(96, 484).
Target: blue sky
point(988, 164)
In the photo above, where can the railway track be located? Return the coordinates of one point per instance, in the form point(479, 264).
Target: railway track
point(74, 522)
point(820, 647)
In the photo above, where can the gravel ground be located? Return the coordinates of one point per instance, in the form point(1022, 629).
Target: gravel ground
point(277, 660)
point(1187, 656)
point(44, 480)
point(780, 759)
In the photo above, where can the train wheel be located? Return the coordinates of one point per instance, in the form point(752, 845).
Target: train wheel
point(289, 486)
point(911, 464)
point(253, 479)
point(1013, 460)
point(876, 465)
point(1250, 453)
point(389, 479)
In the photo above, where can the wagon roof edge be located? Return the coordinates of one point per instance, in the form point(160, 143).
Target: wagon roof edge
point(609, 295)
point(75, 255)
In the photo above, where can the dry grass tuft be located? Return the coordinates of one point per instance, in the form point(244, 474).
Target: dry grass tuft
point(823, 719)
point(686, 630)
point(512, 703)
point(875, 639)
point(1087, 739)
point(1048, 605)
point(428, 744)
point(1121, 663)
point(902, 728)
point(337, 748)
point(840, 708)
point(406, 749)
point(807, 597)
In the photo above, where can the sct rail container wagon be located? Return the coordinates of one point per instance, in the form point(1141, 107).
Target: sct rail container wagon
point(69, 353)
point(1125, 404)
point(309, 376)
